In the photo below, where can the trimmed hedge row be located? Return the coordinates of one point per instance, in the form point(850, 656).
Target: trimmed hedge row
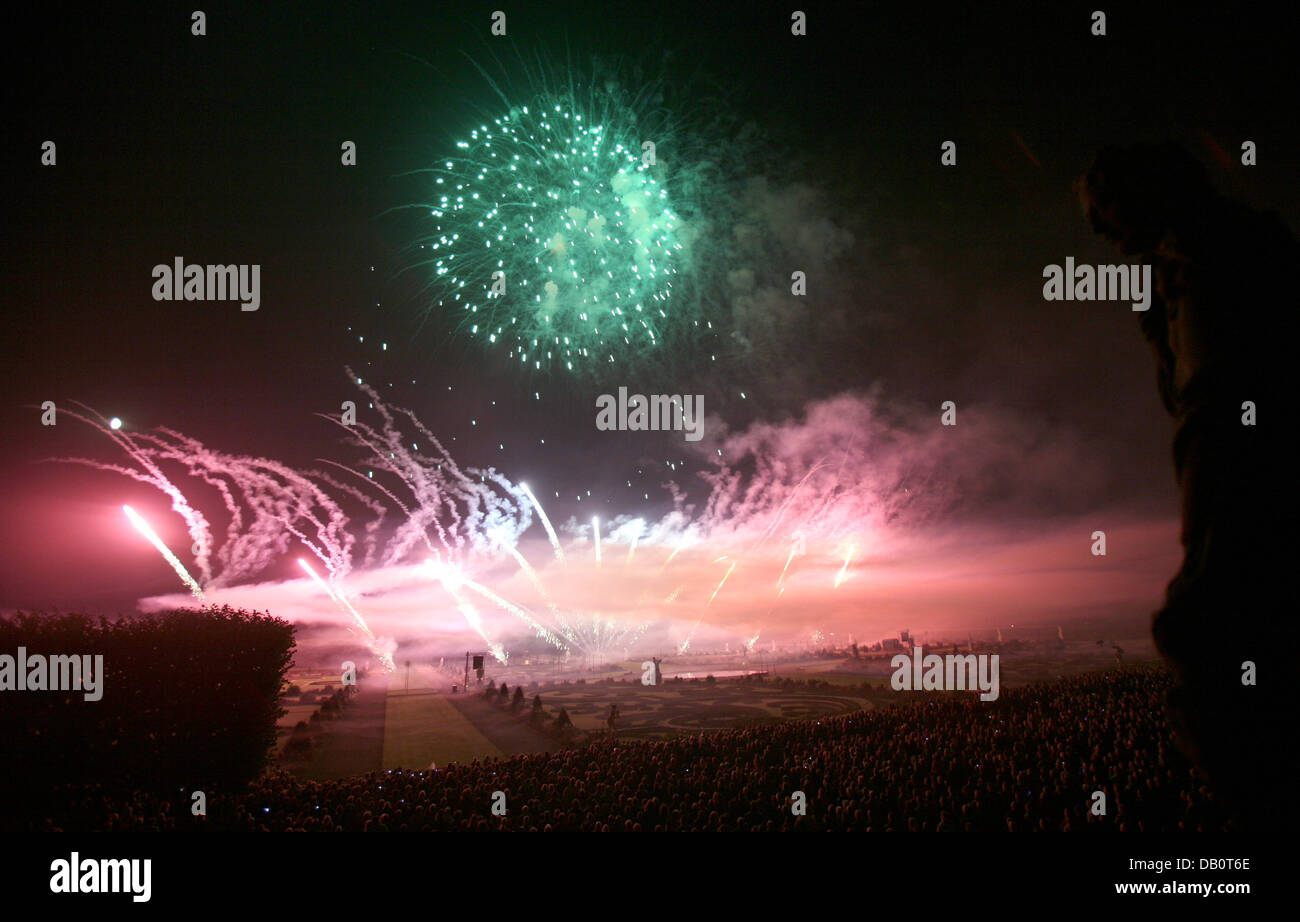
point(190, 699)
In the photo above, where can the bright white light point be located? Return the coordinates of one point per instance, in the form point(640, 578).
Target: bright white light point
point(115, 423)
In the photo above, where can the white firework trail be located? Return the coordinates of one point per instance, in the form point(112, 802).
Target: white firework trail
point(452, 580)
point(691, 635)
point(377, 648)
point(721, 584)
point(518, 611)
point(546, 522)
point(636, 536)
point(320, 582)
point(676, 550)
point(844, 569)
point(150, 473)
point(781, 578)
point(460, 509)
point(143, 527)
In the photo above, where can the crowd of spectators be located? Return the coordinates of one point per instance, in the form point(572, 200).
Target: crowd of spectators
point(1030, 761)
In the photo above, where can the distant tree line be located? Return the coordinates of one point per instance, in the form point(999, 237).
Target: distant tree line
point(306, 734)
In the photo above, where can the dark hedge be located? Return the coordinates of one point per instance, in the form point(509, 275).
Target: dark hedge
point(190, 699)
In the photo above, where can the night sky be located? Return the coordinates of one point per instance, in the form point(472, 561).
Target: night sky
point(925, 282)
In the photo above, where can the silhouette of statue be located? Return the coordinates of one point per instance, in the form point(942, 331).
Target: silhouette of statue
point(1221, 326)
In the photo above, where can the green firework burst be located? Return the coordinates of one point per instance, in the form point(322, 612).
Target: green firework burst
point(555, 236)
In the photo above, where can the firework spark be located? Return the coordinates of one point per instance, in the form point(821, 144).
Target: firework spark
point(844, 569)
point(320, 582)
point(454, 580)
point(546, 523)
point(631, 550)
point(373, 643)
point(143, 528)
point(691, 636)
